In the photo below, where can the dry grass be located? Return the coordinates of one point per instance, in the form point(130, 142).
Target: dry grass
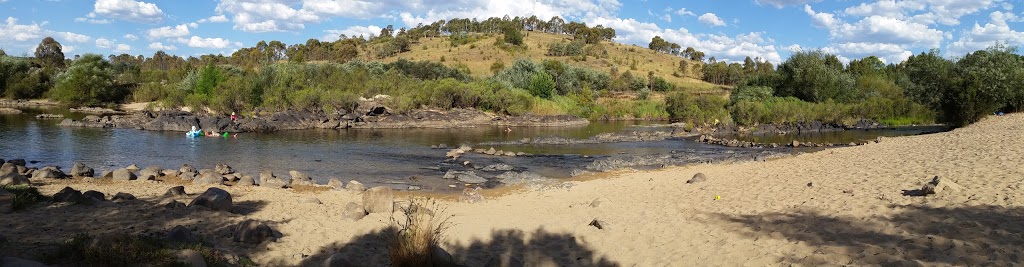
point(480, 55)
point(414, 237)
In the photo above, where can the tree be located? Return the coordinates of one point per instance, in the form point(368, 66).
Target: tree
point(928, 75)
point(208, 79)
point(989, 80)
point(87, 82)
point(542, 85)
point(513, 36)
point(49, 53)
point(813, 76)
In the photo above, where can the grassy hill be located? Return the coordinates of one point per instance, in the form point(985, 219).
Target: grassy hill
point(478, 56)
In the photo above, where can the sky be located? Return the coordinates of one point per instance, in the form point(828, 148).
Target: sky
point(729, 30)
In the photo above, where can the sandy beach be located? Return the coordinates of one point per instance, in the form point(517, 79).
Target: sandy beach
point(841, 206)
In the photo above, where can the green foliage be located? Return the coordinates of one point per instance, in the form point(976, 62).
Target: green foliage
point(513, 36)
point(753, 93)
point(542, 85)
point(49, 54)
point(700, 110)
point(87, 82)
point(566, 49)
point(208, 79)
point(989, 80)
point(24, 195)
point(497, 67)
point(815, 77)
point(127, 250)
point(787, 110)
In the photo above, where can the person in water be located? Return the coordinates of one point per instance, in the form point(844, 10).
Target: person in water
point(233, 116)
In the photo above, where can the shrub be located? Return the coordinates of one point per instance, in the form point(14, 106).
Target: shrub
point(700, 110)
point(24, 195)
point(755, 93)
point(542, 85)
point(412, 239)
point(87, 82)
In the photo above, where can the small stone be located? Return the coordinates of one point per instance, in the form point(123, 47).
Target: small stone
point(94, 195)
point(335, 183)
point(353, 212)
point(68, 194)
point(414, 188)
point(300, 178)
point(121, 196)
point(697, 178)
point(133, 168)
point(171, 204)
point(181, 234)
point(187, 168)
point(253, 232)
point(795, 143)
point(597, 202)
point(378, 200)
point(599, 224)
point(177, 191)
point(123, 175)
point(246, 181)
point(222, 169)
point(214, 198)
point(354, 185)
point(310, 200)
point(208, 179)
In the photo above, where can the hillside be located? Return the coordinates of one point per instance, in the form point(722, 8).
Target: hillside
point(479, 55)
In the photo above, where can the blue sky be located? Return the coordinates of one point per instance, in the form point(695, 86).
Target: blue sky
point(729, 30)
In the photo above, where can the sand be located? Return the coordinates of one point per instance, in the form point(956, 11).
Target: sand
point(842, 206)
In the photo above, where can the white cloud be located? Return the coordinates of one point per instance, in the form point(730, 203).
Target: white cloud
point(981, 37)
point(354, 31)
point(726, 48)
point(161, 46)
point(104, 43)
point(92, 20)
point(821, 20)
point(711, 19)
point(794, 48)
point(784, 3)
point(684, 12)
point(168, 32)
point(889, 30)
point(130, 37)
point(200, 42)
point(123, 48)
point(945, 12)
point(193, 25)
point(266, 15)
point(129, 10)
point(20, 32)
point(218, 19)
point(888, 53)
point(68, 50)
point(72, 37)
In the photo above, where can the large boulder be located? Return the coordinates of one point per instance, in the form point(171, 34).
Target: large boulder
point(8, 168)
point(267, 179)
point(123, 175)
point(379, 200)
point(18, 162)
point(13, 178)
point(246, 181)
point(95, 195)
point(170, 173)
point(214, 198)
point(80, 170)
point(299, 178)
point(68, 194)
point(353, 212)
point(122, 196)
point(133, 168)
point(253, 232)
point(50, 172)
point(150, 173)
point(208, 178)
point(222, 168)
point(177, 191)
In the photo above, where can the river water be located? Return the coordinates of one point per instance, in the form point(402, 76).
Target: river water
point(371, 156)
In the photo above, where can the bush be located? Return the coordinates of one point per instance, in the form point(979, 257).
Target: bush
point(755, 93)
point(542, 85)
point(24, 195)
point(700, 110)
point(87, 83)
point(412, 239)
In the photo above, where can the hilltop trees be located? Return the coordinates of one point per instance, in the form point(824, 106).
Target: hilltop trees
point(49, 53)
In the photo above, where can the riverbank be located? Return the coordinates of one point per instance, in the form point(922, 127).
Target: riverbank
point(852, 205)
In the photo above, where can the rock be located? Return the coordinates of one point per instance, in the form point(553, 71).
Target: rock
point(599, 224)
point(17, 162)
point(222, 168)
point(354, 185)
point(337, 260)
point(214, 198)
point(177, 191)
point(68, 194)
point(49, 173)
point(150, 173)
point(253, 232)
point(121, 196)
point(697, 178)
point(8, 168)
point(133, 168)
point(310, 200)
point(246, 181)
point(208, 179)
point(336, 184)
point(191, 258)
point(504, 260)
point(471, 195)
point(520, 178)
point(80, 170)
point(181, 234)
point(123, 175)
point(187, 168)
point(6, 201)
point(95, 195)
point(490, 151)
point(353, 212)
point(596, 203)
point(188, 176)
point(440, 257)
point(267, 179)
point(170, 172)
point(414, 188)
point(299, 178)
point(498, 168)
point(938, 185)
point(795, 143)
point(12, 261)
point(455, 153)
point(378, 200)
point(510, 154)
point(468, 177)
point(13, 178)
point(171, 204)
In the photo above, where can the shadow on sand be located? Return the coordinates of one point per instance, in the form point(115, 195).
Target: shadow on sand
point(538, 248)
point(916, 235)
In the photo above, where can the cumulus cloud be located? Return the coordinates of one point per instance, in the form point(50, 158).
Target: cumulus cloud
point(684, 12)
point(168, 32)
point(104, 43)
point(354, 31)
point(218, 19)
point(888, 53)
point(129, 10)
point(997, 30)
point(784, 3)
point(161, 46)
point(123, 48)
point(11, 30)
point(130, 37)
point(944, 12)
point(200, 42)
point(821, 20)
point(92, 20)
point(72, 37)
point(711, 19)
point(723, 47)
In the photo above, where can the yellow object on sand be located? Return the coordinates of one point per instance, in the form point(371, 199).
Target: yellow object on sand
point(718, 197)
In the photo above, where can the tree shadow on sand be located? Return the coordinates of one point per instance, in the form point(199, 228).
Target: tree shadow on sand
point(917, 235)
point(538, 248)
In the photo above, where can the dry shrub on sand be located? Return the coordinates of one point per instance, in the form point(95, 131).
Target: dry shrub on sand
point(415, 235)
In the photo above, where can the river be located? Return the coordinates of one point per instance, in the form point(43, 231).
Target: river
point(384, 156)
